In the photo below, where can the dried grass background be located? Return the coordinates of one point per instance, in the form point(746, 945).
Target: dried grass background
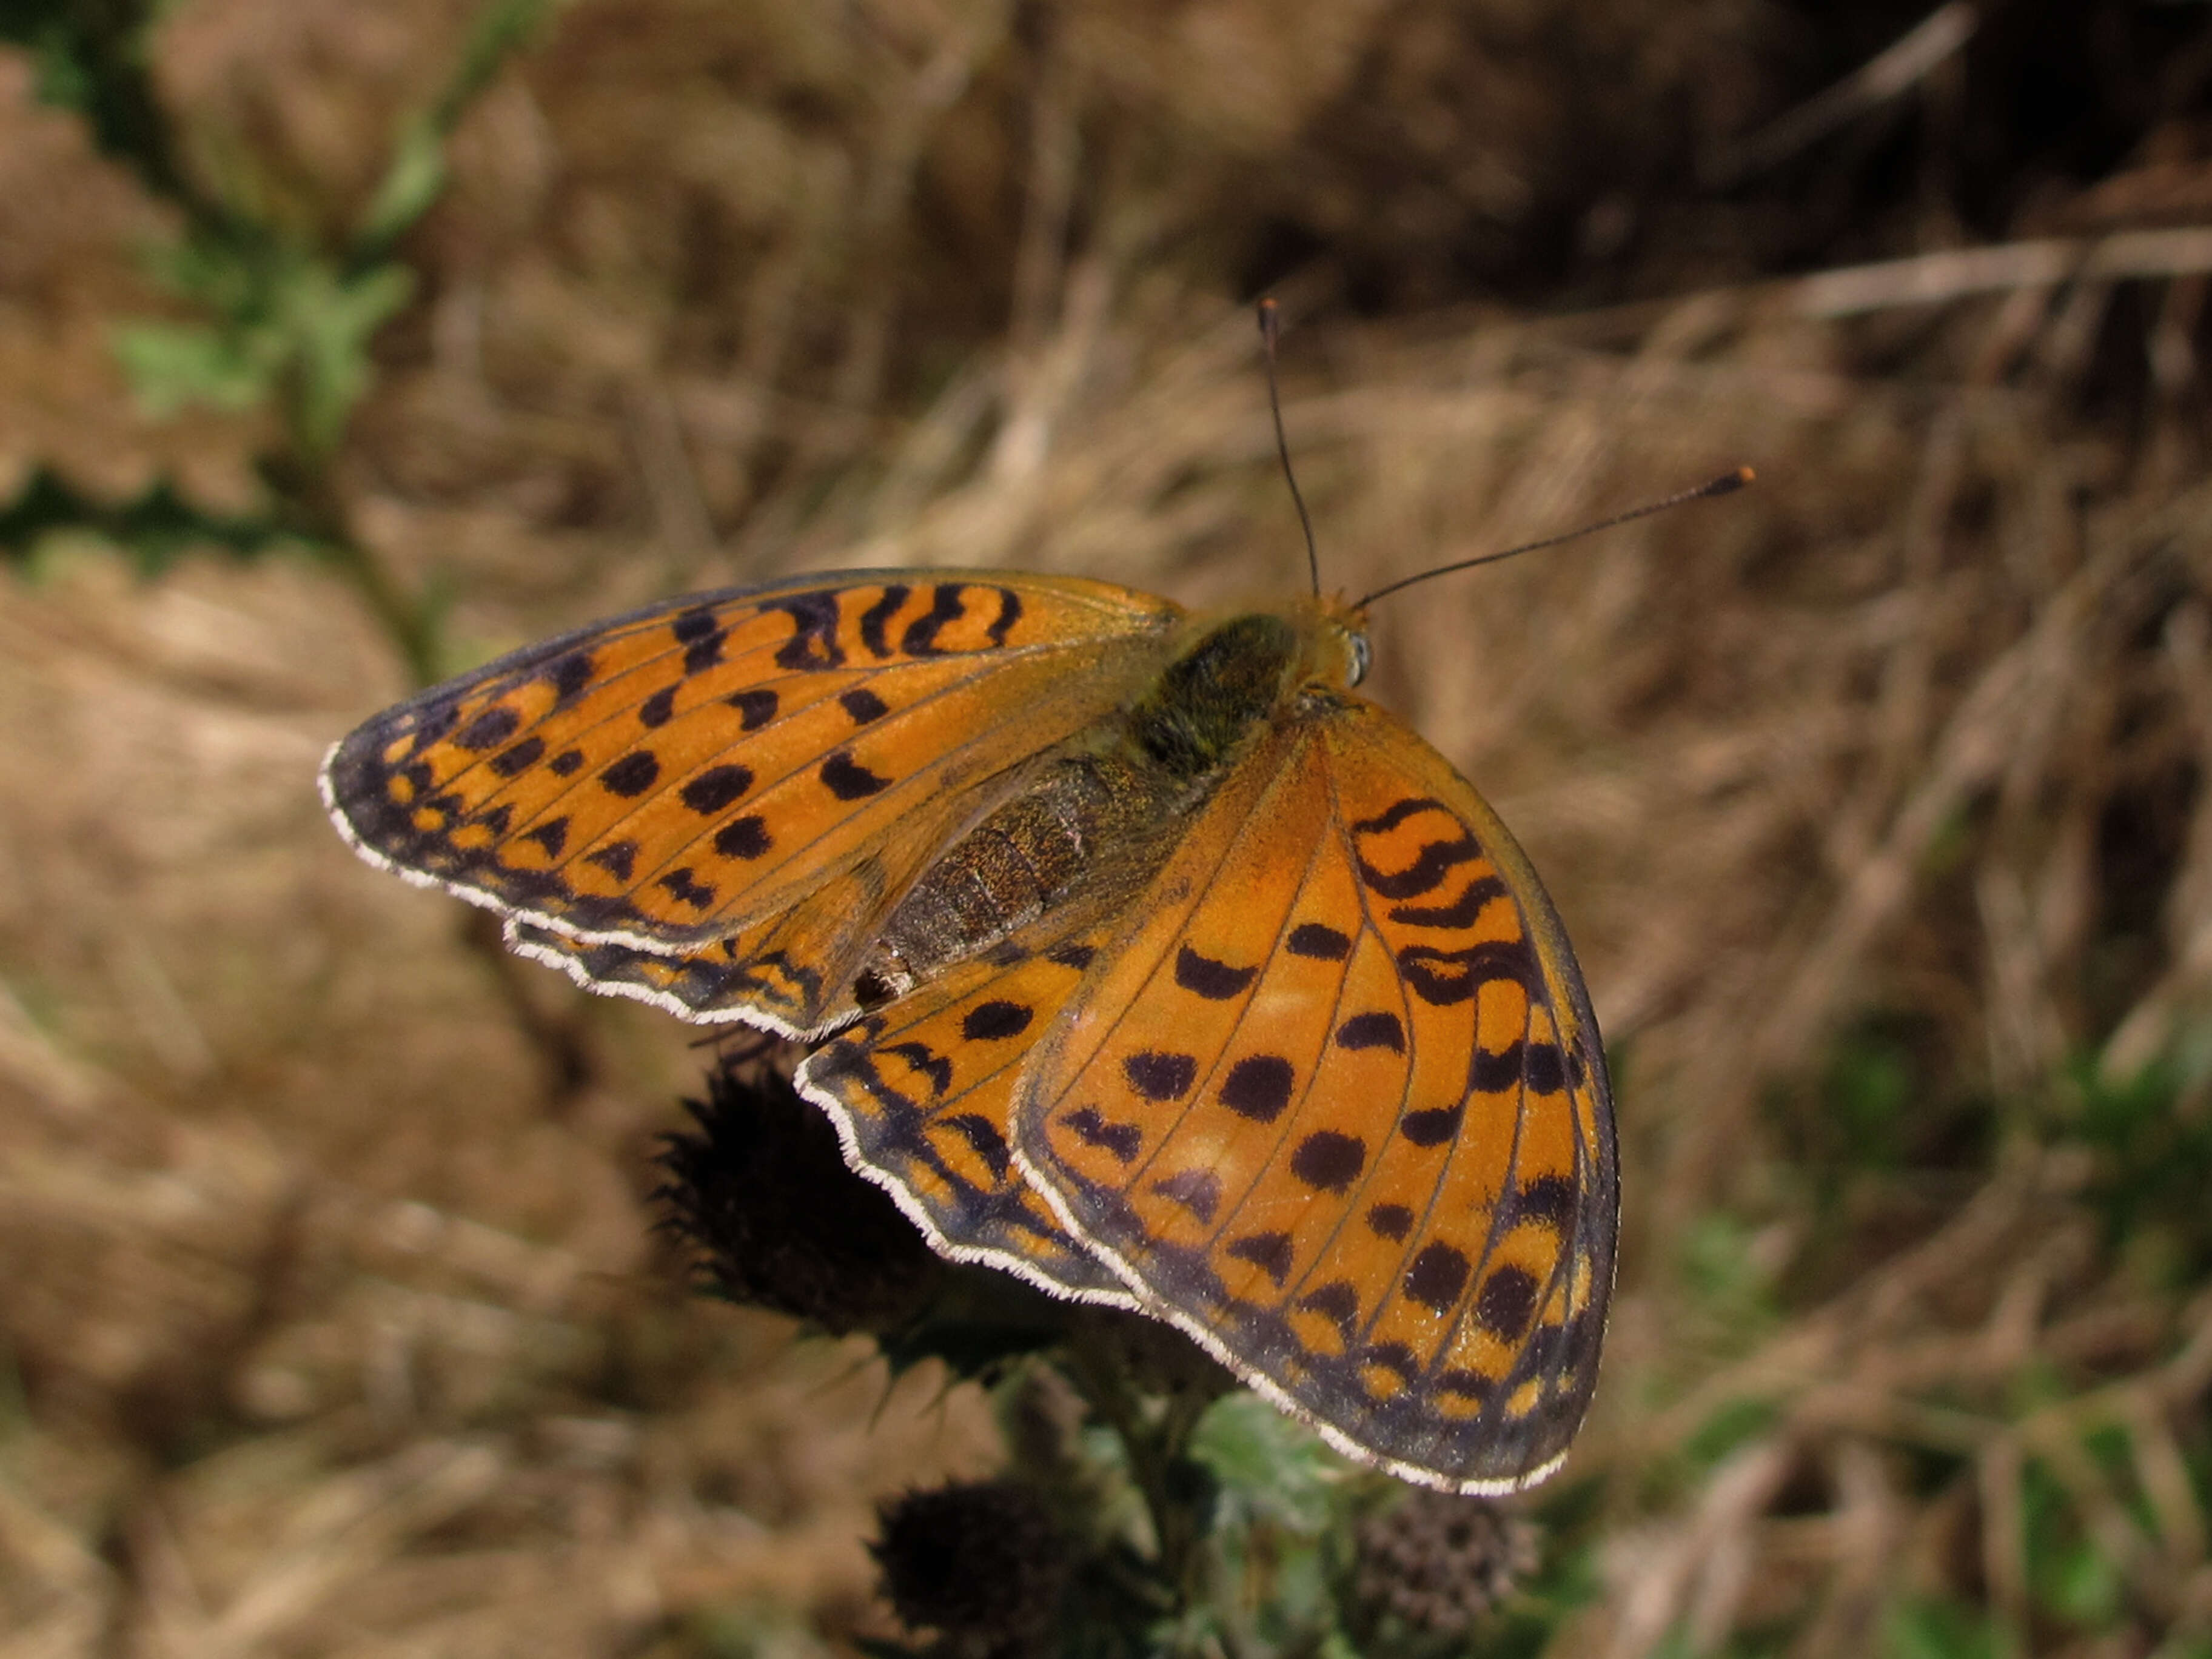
point(333, 1318)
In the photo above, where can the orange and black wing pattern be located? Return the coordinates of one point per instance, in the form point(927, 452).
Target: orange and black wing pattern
point(1332, 1100)
point(745, 780)
point(922, 1093)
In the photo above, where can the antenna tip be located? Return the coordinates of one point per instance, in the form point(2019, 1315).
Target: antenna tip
point(1271, 322)
point(1728, 482)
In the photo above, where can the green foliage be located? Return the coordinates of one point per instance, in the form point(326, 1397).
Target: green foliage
point(2070, 1577)
point(1889, 1101)
point(155, 528)
point(2151, 1135)
point(285, 318)
point(1938, 1627)
point(415, 176)
point(1277, 1492)
point(285, 324)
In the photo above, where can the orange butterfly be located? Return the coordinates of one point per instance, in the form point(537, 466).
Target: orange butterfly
point(1153, 964)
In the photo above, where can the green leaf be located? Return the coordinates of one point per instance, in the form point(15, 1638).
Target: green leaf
point(1270, 1468)
point(410, 184)
point(332, 320)
point(173, 367)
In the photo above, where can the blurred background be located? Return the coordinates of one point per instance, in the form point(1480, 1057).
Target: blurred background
point(346, 342)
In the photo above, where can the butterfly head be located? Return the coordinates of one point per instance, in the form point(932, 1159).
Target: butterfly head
point(1338, 631)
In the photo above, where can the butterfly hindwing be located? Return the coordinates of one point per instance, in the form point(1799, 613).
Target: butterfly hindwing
point(1333, 1101)
point(922, 1093)
point(789, 755)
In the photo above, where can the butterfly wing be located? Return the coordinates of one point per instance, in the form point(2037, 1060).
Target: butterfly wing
point(754, 775)
point(1332, 1101)
point(922, 1093)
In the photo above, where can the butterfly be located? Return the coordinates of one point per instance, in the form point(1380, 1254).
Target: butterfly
point(1142, 956)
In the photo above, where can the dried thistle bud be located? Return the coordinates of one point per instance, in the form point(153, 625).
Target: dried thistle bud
point(982, 1563)
point(762, 1190)
point(1438, 1562)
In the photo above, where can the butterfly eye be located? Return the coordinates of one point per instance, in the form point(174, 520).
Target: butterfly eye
point(1359, 659)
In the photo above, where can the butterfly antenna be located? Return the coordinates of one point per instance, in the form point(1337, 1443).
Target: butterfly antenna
point(1271, 329)
point(1727, 483)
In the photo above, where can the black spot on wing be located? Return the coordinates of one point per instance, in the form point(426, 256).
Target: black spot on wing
point(1312, 939)
point(1379, 1029)
point(743, 838)
point(1392, 1355)
point(1389, 1220)
point(1437, 1276)
point(980, 1133)
point(511, 762)
point(813, 643)
point(1159, 1076)
point(1121, 1141)
point(1397, 815)
point(1433, 1127)
point(862, 705)
point(1506, 1302)
point(692, 626)
point(566, 764)
point(1549, 1199)
point(633, 775)
point(552, 835)
point(617, 858)
point(1493, 1070)
point(1465, 1384)
point(702, 654)
point(755, 709)
point(489, 729)
point(570, 674)
point(1546, 1069)
point(995, 1021)
point(1329, 1161)
point(1337, 1301)
point(1217, 982)
point(655, 711)
point(687, 890)
point(716, 788)
point(926, 1060)
point(1269, 1252)
point(1259, 1087)
point(847, 779)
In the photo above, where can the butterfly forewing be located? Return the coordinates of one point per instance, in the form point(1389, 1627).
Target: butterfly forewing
point(1333, 1101)
point(678, 776)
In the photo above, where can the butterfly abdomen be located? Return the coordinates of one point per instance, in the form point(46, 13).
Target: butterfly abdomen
point(1024, 859)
